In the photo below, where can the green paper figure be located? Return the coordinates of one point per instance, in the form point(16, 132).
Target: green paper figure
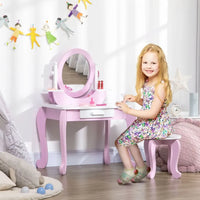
point(50, 38)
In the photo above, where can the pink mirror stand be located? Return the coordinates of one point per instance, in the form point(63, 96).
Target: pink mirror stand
point(65, 97)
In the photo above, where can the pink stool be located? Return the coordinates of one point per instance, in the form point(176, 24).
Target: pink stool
point(174, 147)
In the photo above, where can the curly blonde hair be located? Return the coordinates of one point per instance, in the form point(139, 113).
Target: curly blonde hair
point(162, 74)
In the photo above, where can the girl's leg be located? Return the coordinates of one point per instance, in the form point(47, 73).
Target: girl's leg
point(128, 172)
point(141, 169)
point(135, 152)
point(125, 156)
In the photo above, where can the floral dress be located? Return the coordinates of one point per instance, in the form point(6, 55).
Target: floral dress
point(142, 129)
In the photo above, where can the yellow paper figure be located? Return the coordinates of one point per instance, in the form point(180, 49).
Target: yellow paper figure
point(84, 1)
point(15, 35)
point(33, 36)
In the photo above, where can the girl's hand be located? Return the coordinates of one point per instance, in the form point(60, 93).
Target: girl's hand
point(122, 106)
point(129, 97)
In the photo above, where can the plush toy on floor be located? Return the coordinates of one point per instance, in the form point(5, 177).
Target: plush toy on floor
point(20, 180)
point(189, 159)
point(21, 172)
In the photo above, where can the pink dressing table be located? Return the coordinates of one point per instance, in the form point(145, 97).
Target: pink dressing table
point(68, 105)
point(68, 114)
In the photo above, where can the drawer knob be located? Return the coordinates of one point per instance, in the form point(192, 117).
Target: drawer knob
point(97, 113)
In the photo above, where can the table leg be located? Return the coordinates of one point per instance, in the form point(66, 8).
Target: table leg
point(41, 128)
point(106, 154)
point(63, 143)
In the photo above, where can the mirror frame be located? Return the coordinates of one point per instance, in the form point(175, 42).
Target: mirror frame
point(90, 80)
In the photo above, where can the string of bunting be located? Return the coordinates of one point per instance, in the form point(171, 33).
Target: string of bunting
point(51, 39)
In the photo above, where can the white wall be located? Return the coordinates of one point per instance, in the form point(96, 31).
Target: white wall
point(114, 34)
point(198, 52)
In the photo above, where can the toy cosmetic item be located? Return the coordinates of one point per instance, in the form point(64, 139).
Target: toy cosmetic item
point(100, 85)
point(92, 103)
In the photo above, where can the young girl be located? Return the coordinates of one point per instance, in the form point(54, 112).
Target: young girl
point(152, 120)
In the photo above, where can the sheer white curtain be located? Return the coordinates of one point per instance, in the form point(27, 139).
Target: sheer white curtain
point(79, 63)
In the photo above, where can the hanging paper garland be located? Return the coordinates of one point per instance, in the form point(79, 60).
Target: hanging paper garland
point(33, 36)
point(61, 24)
point(75, 12)
point(15, 35)
point(4, 21)
point(84, 1)
point(51, 39)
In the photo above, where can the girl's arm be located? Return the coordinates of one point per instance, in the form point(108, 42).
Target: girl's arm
point(140, 102)
point(132, 98)
point(146, 114)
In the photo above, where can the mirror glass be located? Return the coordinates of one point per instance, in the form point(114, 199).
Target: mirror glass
point(75, 72)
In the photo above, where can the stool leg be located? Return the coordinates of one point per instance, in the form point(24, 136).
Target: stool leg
point(151, 158)
point(169, 158)
point(173, 159)
point(146, 144)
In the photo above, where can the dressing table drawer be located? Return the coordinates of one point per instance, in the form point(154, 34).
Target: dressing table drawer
point(96, 113)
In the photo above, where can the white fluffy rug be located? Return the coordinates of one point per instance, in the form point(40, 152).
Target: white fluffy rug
point(15, 193)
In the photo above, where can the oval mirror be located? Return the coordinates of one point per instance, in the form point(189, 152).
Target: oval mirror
point(76, 73)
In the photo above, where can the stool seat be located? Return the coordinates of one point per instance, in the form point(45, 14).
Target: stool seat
point(172, 137)
point(174, 147)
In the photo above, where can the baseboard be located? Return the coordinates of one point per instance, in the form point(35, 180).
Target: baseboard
point(81, 158)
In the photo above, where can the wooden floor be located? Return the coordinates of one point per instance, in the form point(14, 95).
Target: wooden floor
point(90, 182)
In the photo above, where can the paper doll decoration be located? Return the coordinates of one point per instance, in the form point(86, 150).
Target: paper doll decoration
point(33, 36)
point(84, 1)
point(15, 35)
point(4, 21)
point(60, 23)
point(75, 12)
point(50, 38)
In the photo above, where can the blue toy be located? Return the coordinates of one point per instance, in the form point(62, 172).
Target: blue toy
point(41, 190)
point(25, 189)
point(48, 186)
